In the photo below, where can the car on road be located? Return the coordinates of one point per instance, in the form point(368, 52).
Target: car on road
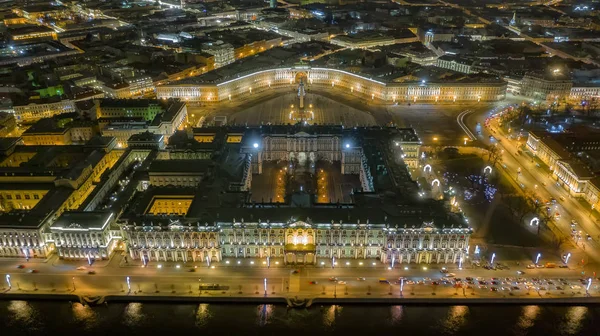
point(410, 282)
point(341, 282)
point(530, 266)
point(384, 281)
point(575, 287)
point(515, 288)
point(481, 282)
point(493, 289)
point(588, 237)
point(469, 279)
point(33, 271)
point(483, 287)
point(450, 275)
point(81, 268)
point(559, 288)
point(361, 279)
point(333, 279)
point(573, 223)
point(313, 282)
point(520, 272)
point(91, 272)
point(192, 270)
point(435, 283)
point(20, 266)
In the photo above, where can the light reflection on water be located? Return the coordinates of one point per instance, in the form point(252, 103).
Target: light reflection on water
point(396, 313)
point(203, 314)
point(22, 312)
point(456, 319)
point(573, 318)
point(49, 318)
point(330, 314)
point(85, 314)
point(133, 314)
point(528, 317)
point(265, 313)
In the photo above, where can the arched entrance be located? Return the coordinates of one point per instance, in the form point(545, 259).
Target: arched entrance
point(301, 76)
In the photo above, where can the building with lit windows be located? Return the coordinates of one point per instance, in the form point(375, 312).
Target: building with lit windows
point(209, 89)
point(30, 33)
point(582, 92)
point(455, 64)
point(38, 184)
point(43, 108)
point(84, 234)
point(224, 226)
point(546, 87)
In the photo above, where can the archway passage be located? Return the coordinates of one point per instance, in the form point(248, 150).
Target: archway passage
point(301, 76)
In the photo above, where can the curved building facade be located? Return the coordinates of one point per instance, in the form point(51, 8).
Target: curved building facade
point(327, 78)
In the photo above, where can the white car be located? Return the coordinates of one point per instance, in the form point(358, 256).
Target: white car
point(450, 275)
point(81, 268)
point(341, 282)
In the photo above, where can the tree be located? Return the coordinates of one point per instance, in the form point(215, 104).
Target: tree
point(494, 155)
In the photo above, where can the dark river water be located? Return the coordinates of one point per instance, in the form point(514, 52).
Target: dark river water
point(62, 318)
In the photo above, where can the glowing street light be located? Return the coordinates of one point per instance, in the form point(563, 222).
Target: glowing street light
point(8, 281)
point(208, 261)
point(567, 258)
point(128, 284)
point(89, 260)
point(537, 259)
point(493, 257)
point(587, 289)
point(255, 145)
point(265, 286)
point(401, 286)
point(333, 262)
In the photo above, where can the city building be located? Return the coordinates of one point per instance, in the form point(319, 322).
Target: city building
point(37, 185)
point(42, 108)
point(223, 53)
point(551, 87)
point(84, 234)
point(216, 88)
point(177, 220)
point(455, 63)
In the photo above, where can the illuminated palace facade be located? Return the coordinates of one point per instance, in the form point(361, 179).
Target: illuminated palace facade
point(296, 241)
point(227, 89)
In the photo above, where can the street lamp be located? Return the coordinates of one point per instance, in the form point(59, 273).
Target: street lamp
point(265, 286)
point(567, 258)
point(493, 257)
point(8, 281)
point(537, 259)
point(401, 287)
point(587, 289)
point(128, 285)
point(73, 281)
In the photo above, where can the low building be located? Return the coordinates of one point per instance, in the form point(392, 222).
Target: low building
point(179, 173)
point(455, 64)
point(81, 235)
point(544, 87)
point(47, 131)
point(146, 140)
point(43, 108)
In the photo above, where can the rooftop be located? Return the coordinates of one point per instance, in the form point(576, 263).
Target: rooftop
point(82, 221)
